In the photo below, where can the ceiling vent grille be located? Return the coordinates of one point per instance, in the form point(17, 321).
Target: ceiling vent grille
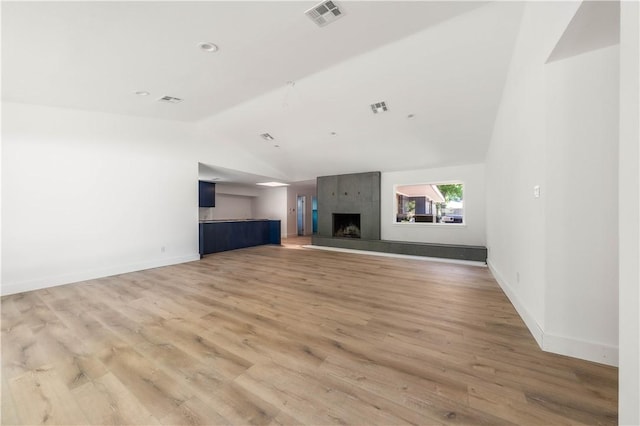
point(267, 137)
point(379, 107)
point(170, 99)
point(324, 13)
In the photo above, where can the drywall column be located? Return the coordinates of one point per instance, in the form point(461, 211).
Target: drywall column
point(629, 215)
point(516, 220)
point(581, 254)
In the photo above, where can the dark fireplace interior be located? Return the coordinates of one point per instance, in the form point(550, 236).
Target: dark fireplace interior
point(346, 225)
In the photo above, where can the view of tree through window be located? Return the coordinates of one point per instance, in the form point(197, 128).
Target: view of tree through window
point(430, 203)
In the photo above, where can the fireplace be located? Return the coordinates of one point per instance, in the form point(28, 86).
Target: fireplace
point(345, 200)
point(346, 225)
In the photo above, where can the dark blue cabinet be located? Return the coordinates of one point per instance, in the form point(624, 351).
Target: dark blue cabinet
point(230, 235)
point(206, 194)
point(274, 232)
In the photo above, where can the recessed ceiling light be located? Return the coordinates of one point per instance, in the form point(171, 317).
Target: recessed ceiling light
point(379, 107)
point(267, 137)
point(272, 184)
point(410, 116)
point(208, 46)
point(142, 93)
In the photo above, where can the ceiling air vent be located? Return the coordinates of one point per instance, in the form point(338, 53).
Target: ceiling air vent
point(267, 137)
point(324, 13)
point(170, 99)
point(379, 107)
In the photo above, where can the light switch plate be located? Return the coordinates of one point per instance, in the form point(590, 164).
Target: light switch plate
point(536, 191)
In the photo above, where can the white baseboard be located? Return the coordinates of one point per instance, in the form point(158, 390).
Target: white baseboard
point(529, 320)
point(548, 342)
point(590, 351)
point(19, 287)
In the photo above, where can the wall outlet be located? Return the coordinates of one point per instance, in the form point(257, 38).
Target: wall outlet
point(536, 191)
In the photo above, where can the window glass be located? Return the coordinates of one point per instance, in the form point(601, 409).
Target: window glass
point(440, 203)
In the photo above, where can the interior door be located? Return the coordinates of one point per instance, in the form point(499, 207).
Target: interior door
point(301, 214)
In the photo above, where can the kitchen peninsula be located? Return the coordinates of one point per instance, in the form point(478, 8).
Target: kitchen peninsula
point(231, 234)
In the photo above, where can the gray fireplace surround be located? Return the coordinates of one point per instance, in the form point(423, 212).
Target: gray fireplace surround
point(350, 201)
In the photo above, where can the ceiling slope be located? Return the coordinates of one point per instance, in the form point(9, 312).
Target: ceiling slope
point(449, 78)
point(95, 55)
point(439, 65)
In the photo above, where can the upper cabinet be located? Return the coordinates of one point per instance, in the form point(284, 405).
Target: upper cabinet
point(207, 194)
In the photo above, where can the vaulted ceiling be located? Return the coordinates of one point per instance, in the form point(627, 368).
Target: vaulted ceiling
point(440, 66)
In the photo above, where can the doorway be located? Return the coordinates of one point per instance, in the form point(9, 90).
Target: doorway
point(302, 201)
point(314, 215)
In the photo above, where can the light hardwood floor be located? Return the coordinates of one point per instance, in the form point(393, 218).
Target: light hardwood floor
point(286, 335)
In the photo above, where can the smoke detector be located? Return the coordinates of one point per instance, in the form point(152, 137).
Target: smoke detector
point(324, 13)
point(170, 99)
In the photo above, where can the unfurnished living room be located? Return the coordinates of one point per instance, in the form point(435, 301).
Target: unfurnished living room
point(336, 212)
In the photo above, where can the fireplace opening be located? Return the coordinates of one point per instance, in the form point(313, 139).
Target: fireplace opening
point(346, 225)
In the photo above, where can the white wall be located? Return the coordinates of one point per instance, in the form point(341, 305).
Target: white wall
point(229, 207)
point(629, 213)
point(515, 164)
point(272, 204)
point(536, 142)
point(301, 188)
point(471, 233)
point(233, 201)
point(86, 195)
point(1, 174)
point(581, 199)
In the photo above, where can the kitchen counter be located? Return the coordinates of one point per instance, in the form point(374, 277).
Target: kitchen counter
point(223, 235)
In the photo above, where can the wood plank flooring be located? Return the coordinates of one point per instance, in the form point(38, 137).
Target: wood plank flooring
point(285, 335)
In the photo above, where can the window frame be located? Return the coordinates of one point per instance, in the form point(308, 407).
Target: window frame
point(430, 224)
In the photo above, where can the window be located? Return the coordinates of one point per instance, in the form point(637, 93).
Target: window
point(436, 203)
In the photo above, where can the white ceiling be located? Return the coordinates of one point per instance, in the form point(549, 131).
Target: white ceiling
point(445, 62)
